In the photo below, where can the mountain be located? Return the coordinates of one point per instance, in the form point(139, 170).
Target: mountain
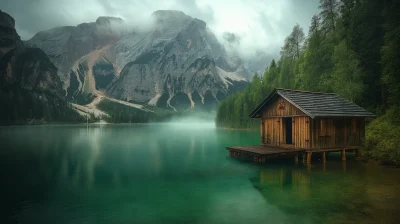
point(29, 85)
point(176, 63)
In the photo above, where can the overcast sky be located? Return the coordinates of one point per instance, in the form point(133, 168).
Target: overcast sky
point(262, 25)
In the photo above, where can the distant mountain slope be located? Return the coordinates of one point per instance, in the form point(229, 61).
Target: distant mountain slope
point(177, 63)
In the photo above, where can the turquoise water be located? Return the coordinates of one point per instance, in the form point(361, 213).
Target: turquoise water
point(179, 173)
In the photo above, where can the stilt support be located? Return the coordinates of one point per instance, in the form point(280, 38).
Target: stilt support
point(309, 154)
point(343, 154)
point(309, 167)
point(296, 159)
point(324, 157)
point(304, 158)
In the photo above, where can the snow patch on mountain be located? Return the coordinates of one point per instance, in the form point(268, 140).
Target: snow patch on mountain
point(227, 77)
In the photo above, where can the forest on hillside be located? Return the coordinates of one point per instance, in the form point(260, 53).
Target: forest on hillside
point(352, 49)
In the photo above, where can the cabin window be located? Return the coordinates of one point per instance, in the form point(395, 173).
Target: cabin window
point(353, 126)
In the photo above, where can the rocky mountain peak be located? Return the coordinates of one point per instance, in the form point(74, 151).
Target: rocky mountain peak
point(170, 19)
point(9, 38)
point(170, 14)
point(107, 20)
point(177, 62)
point(6, 20)
point(27, 68)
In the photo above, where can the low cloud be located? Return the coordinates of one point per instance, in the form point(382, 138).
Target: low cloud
point(243, 26)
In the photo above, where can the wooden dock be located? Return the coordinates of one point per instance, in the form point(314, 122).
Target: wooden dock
point(260, 153)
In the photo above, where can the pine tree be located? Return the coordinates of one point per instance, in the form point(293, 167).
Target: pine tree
point(390, 52)
point(347, 74)
point(329, 13)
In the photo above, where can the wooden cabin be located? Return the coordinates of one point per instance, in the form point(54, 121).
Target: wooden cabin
point(310, 121)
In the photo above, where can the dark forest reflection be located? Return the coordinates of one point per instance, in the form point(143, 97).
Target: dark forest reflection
point(333, 192)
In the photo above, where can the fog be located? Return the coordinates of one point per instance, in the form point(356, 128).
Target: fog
point(257, 25)
point(195, 121)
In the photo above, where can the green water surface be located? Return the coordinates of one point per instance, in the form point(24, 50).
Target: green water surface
point(178, 173)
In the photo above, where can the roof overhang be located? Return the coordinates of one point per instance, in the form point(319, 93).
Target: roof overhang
point(256, 112)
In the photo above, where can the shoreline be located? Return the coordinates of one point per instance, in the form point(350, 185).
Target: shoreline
point(367, 157)
point(84, 123)
point(236, 129)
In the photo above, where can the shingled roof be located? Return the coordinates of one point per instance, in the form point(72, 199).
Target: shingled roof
point(316, 104)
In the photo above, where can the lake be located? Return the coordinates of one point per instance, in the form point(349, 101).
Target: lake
point(179, 173)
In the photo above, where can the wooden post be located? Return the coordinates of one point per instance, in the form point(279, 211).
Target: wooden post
point(304, 158)
point(343, 154)
point(324, 157)
point(309, 154)
point(296, 159)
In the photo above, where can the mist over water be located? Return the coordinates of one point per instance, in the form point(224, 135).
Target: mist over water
point(199, 121)
point(177, 172)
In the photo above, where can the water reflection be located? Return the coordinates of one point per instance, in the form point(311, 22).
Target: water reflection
point(279, 179)
point(326, 195)
point(84, 157)
point(158, 173)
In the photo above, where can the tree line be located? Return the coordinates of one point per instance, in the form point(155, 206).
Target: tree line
point(21, 106)
point(351, 49)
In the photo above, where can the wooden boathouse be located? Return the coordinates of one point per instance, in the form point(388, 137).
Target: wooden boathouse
point(300, 123)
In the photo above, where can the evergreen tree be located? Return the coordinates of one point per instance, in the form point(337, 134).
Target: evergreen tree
point(390, 52)
point(351, 49)
point(346, 75)
point(329, 13)
point(293, 43)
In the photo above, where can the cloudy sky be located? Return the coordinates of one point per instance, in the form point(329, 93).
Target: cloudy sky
point(262, 25)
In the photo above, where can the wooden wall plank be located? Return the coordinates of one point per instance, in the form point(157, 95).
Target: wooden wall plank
point(340, 132)
point(294, 140)
point(298, 132)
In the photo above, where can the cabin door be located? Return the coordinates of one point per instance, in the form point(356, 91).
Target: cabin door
point(288, 130)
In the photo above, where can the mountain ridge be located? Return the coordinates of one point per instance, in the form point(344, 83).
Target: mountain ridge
point(168, 49)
